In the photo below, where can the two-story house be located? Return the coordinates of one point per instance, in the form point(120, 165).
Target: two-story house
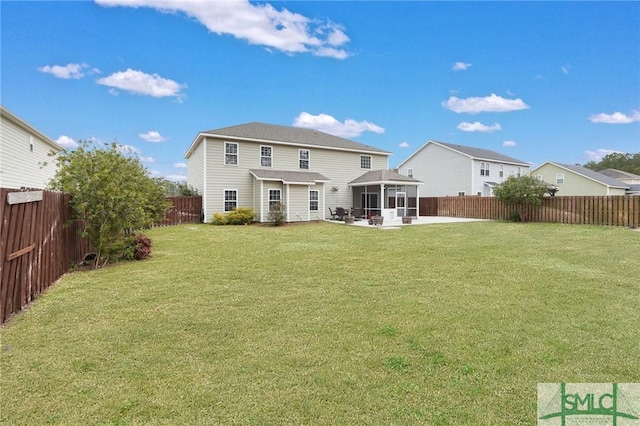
point(24, 154)
point(449, 169)
point(256, 165)
point(573, 180)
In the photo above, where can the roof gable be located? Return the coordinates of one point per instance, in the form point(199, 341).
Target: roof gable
point(587, 173)
point(262, 132)
point(471, 152)
point(383, 176)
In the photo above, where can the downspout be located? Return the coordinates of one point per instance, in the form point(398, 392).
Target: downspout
point(261, 201)
point(286, 185)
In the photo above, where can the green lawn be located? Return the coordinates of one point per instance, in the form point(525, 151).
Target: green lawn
point(329, 324)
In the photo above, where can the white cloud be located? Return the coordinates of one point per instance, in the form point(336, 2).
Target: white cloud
point(326, 123)
point(403, 145)
point(69, 71)
point(180, 165)
point(599, 154)
point(615, 118)
point(492, 103)
point(259, 24)
point(566, 69)
point(176, 178)
point(66, 142)
point(509, 144)
point(152, 136)
point(147, 160)
point(478, 127)
point(140, 83)
point(460, 66)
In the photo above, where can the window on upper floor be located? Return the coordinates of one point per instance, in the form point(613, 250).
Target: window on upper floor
point(314, 200)
point(303, 156)
point(365, 161)
point(519, 171)
point(559, 178)
point(410, 173)
point(266, 156)
point(230, 153)
point(501, 172)
point(484, 169)
point(230, 199)
point(31, 143)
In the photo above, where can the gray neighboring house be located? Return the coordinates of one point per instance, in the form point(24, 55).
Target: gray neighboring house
point(448, 169)
point(255, 165)
point(573, 180)
point(24, 151)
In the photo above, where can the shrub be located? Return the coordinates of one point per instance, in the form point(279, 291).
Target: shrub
point(139, 248)
point(239, 216)
point(218, 219)
point(277, 214)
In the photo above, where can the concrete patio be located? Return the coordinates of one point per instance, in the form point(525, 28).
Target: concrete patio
point(422, 220)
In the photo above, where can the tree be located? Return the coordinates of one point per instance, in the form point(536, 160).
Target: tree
point(518, 192)
point(111, 193)
point(176, 189)
point(625, 162)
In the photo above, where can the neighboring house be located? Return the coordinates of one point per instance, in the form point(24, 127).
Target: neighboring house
point(256, 165)
point(24, 154)
point(577, 180)
point(448, 169)
point(630, 179)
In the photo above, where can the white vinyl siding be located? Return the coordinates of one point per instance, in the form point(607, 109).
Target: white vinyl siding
point(195, 169)
point(24, 157)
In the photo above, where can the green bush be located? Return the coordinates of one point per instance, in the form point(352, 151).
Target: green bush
point(277, 214)
point(239, 216)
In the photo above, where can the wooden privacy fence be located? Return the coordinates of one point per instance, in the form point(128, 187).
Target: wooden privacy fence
point(613, 210)
point(183, 210)
point(38, 244)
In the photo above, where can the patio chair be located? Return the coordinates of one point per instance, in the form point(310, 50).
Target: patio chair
point(333, 213)
point(341, 213)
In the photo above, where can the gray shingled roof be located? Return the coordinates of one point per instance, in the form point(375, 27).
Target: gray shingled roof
point(378, 176)
point(272, 132)
point(482, 154)
point(287, 176)
point(598, 177)
point(618, 174)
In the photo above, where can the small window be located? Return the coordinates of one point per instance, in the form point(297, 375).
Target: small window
point(519, 171)
point(265, 156)
point(559, 178)
point(230, 199)
point(274, 197)
point(410, 173)
point(484, 169)
point(314, 197)
point(304, 159)
point(365, 161)
point(501, 172)
point(230, 153)
point(479, 194)
point(460, 193)
point(31, 144)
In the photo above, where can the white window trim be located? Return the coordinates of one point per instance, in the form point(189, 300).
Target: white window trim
point(224, 199)
point(270, 157)
point(308, 160)
point(559, 176)
point(362, 157)
point(269, 197)
point(224, 154)
point(410, 172)
point(317, 200)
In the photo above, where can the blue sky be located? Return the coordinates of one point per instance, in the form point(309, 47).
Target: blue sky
point(537, 81)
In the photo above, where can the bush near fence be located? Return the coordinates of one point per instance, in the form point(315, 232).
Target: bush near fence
point(613, 210)
point(39, 243)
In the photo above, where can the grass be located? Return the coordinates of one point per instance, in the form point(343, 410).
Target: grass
point(327, 324)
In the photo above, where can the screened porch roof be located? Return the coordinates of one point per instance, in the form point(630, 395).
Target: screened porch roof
point(384, 177)
point(289, 177)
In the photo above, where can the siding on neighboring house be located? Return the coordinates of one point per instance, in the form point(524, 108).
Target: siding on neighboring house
point(577, 180)
point(449, 170)
point(24, 151)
